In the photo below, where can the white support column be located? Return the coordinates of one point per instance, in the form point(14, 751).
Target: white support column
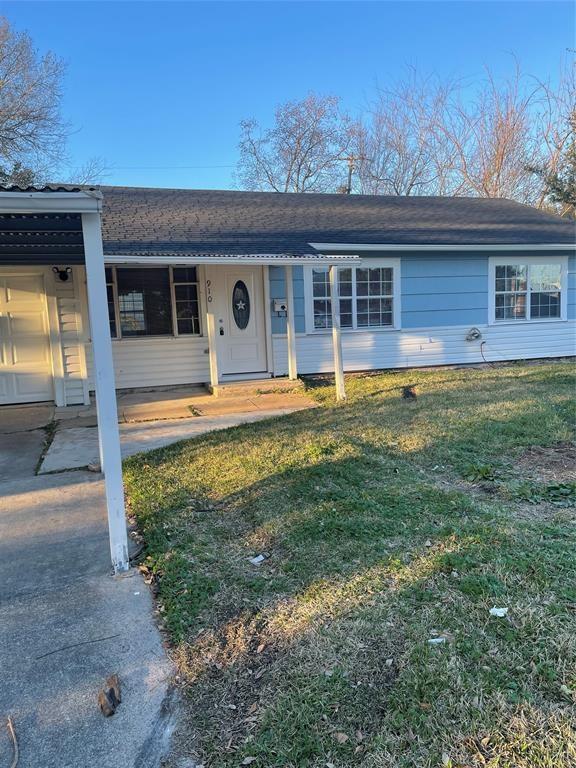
point(212, 347)
point(290, 326)
point(108, 433)
point(336, 334)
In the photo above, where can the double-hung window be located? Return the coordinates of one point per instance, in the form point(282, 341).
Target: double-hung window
point(369, 296)
point(152, 301)
point(527, 289)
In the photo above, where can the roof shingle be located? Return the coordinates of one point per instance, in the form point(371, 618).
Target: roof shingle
point(179, 221)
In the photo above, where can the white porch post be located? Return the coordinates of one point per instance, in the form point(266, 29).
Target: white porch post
point(290, 326)
point(212, 347)
point(108, 433)
point(336, 334)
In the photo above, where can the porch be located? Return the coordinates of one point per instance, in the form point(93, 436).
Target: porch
point(67, 309)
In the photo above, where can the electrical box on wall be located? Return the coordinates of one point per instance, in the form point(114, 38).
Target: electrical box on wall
point(280, 305)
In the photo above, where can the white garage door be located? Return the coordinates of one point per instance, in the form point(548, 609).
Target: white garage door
point(25, 360)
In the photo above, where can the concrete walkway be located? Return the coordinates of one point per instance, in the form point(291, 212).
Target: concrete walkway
point(66, 624)
point(78, 446)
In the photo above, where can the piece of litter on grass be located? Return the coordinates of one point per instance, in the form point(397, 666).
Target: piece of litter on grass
point(436, 640)
point(389, 662)
point(499, 612)
point(428, 543)
point(249, 760)
point(259, 559)
point(136, 593)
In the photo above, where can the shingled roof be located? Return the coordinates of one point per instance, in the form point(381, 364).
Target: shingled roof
point(179, 221)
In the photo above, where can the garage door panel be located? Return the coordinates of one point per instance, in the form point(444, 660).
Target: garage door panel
point(32, 385)
point(22, 323)
point(31, 350)
point(24, 289)
point(25, 354)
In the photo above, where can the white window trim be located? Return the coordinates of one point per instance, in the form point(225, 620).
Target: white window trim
point(394, 264)
point(174, 334)
point(500, 261)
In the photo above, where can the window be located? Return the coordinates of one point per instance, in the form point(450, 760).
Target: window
point(152, 301)
point(186, 300)
point(367, 296)
point(111, 291)
point(526, 289)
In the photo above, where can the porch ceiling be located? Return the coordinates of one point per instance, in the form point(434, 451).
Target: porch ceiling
point(43, 225)
point(41, 238)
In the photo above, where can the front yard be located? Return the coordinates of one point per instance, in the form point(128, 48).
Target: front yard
point(385, 523)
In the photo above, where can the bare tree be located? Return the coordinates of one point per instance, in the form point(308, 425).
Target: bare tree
point(492, 139)
point(400, 149)
point(301, 152)
point(32, 133)
point(556, 127)
point(93, 171)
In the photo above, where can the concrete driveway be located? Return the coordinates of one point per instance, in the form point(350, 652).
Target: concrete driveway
point(66, 624)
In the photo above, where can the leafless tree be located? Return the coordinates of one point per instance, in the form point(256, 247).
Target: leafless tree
point(492, 139)
point(93, 171)
point(556, 127)
point(400, 149)
point(32, 132)
point(301, 152)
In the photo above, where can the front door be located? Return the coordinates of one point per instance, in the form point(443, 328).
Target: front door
point(238, 296)
point(25, 356)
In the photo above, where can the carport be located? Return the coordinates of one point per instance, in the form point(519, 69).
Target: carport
point(39, 230)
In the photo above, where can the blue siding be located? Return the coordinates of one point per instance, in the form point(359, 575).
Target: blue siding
point(437, 290)
point(278, 291)
point(444, 290)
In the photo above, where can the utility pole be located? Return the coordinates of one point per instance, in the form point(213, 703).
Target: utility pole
point(351, 160)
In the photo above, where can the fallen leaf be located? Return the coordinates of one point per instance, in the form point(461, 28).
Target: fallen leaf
point(341, 737)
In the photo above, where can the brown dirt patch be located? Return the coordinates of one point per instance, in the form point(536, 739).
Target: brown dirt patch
point(554, 464)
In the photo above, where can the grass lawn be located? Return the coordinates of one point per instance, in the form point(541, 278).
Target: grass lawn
point(386, 523)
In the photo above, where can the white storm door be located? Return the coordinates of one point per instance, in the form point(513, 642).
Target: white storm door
point(240, 325)
point(25, 356)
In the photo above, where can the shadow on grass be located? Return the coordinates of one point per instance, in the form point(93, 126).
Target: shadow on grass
point(329, 635)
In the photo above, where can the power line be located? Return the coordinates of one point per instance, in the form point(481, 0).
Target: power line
point(165, 167)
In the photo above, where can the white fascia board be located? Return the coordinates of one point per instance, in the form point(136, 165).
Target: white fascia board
point(441, 248)
point(242, 259)
point(50, 202)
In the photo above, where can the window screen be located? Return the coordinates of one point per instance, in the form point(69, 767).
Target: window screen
point(144, 305)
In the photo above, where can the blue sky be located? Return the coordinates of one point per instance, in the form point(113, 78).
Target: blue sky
point(156, 86)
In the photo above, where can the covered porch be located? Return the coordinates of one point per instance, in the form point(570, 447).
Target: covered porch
point(223, 312)
point(62, 325)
